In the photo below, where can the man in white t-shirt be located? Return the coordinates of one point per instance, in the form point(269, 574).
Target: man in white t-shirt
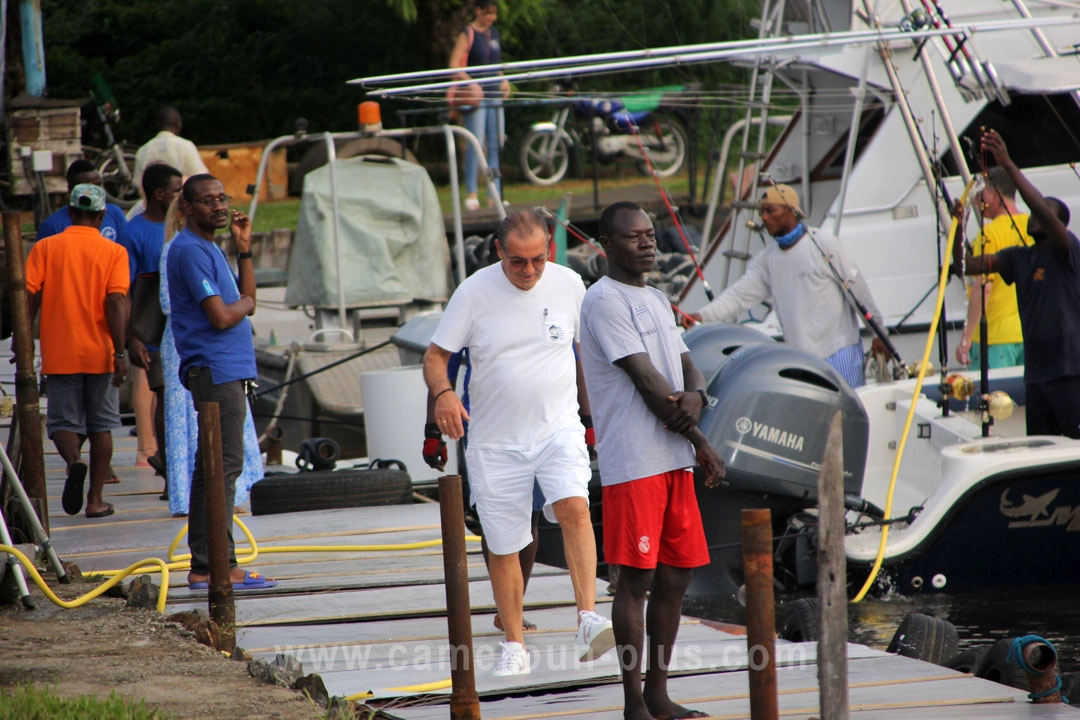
point(519, 319)
point(647, 396)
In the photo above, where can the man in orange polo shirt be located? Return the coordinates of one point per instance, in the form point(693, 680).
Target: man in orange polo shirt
point(79, 281)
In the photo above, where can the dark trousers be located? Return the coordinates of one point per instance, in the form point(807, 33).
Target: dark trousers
point(1053, 407)
point(232, 404)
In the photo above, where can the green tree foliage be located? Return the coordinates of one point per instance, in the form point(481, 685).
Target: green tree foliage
point(240, 70)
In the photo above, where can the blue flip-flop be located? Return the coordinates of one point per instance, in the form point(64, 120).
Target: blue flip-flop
point(252, 581)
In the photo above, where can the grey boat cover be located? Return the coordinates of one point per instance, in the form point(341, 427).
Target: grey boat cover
point(393, 241)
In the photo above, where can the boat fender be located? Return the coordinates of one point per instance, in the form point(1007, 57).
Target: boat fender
point(925, 638)
point(967, 661)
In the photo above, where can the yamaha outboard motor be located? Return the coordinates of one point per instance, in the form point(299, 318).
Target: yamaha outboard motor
point(769, 420)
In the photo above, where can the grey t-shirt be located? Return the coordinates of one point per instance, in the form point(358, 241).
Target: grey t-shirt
point(619, 320)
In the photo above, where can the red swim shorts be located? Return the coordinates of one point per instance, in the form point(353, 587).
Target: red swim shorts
point(654, 519)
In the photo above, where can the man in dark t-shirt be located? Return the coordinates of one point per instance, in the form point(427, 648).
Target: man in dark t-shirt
point(1047, 279)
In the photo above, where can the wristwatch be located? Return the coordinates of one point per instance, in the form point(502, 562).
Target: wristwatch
point(705, 399)
point(243, 255)
point(120, 355)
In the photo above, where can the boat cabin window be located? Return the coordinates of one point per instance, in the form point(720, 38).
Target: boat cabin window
point(831, 166)
point(1039, 130)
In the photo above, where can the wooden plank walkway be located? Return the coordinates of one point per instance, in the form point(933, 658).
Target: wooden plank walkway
point(374, 621)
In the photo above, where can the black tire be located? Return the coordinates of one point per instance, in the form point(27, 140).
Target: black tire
point(967, 661)
point(315, 157)
point(996, 667)
point(544, 157)
point(330, 489)
point(800, 623)
point(925, 638)
point(666, 142)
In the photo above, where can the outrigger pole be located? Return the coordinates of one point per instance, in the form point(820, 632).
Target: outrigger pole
point(693, 54)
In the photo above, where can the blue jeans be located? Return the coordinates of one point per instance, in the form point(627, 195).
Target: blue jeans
point(486, 123)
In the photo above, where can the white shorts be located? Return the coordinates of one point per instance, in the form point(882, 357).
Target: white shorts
point(502, 485)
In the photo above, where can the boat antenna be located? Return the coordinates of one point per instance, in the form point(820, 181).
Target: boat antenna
point(860, 308)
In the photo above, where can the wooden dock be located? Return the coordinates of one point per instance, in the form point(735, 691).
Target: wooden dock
point(373, 620)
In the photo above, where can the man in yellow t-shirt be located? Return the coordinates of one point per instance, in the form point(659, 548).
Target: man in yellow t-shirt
point(1005, 227)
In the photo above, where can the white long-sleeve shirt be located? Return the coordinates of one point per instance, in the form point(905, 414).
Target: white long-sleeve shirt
point(809, 301)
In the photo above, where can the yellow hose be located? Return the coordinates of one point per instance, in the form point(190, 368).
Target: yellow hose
point(423, 687)
point(181, 562)
point(942, 281)
point(118, 576)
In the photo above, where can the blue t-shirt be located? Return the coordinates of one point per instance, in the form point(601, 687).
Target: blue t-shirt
point(143, 240)
point(196, 269)
point(111, 225)
point(1048, 296)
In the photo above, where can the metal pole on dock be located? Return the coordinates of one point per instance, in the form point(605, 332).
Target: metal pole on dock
point(760, 613)
point(464, 702)
point(32, 465)
point(222, 609)
point(832, 579)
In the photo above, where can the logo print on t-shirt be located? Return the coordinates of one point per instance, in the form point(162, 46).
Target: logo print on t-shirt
point(643, 545)
point(1040, 274)
point(640, 311)
point(109, 232)
point(555, 333)
point(207, 288)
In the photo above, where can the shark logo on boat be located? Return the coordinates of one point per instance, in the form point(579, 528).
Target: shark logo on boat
point(1038, 512)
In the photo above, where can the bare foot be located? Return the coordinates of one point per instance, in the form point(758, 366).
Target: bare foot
point(525, 624)
point(236, 575)
point(668, 709)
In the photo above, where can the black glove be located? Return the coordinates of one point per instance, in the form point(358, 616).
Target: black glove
point(434, 447)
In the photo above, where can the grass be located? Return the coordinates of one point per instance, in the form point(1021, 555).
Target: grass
point(285, 213)
point(30, 701)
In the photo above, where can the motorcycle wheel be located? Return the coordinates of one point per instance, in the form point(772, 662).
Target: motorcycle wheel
point(667, 151)
point(545, 157)
point(117, 190)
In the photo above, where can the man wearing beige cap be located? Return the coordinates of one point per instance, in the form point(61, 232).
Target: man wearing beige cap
point(814, 314)
point(79, 281)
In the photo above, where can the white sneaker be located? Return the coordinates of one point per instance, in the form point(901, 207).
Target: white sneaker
point(472, 204)
point(595, 636)
point(514, 660)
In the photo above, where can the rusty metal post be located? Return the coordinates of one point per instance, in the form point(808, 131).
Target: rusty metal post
point(1040, 663)
point(273, 445)
point(760, 613)
point(832, 579)
point(32, 467)
point(464, 702)
point(222, 609)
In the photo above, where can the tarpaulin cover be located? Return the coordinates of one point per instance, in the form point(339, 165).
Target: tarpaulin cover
point(393, 240)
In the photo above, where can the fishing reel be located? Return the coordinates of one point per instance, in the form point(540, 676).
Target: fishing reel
point(998, 404)
point(915, 20)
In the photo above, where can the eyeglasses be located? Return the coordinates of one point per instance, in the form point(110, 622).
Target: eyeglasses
point(214, 201)
point(520, 263)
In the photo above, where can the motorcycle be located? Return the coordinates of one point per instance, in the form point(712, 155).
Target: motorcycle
point(116, 159)
point(618, 132)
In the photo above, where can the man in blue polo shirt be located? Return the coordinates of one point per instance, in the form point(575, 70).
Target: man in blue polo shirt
point(143, 239)
point(210, 309)
point(83, 171)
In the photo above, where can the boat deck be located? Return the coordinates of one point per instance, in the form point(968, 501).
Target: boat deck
point(373, 620)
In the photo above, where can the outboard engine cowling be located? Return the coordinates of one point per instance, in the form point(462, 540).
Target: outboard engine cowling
point(711, 344)
point(770, 420)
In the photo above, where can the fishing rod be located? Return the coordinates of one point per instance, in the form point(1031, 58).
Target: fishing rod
point(667, 203)
point(849, 293)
